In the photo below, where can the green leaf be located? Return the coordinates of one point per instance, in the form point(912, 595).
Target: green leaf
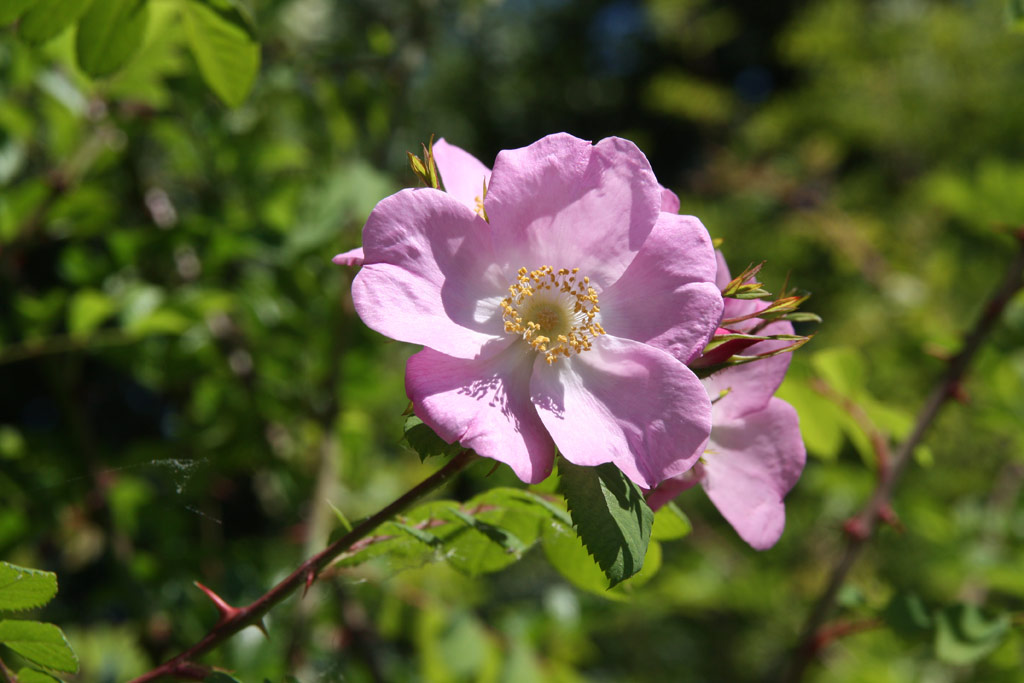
point(908, 616)
point(425, 441)
point(47, 18)
point(88, 310)
point(491, 531)
point(160, 321)
point(342, 519)
point(843, 368)
point(109, 33)
point(670, 523)
point(24, 588)
point(964, 634)
point(419, 534)
point(228, 57)
point(567, 554)
point(610, 515)
point(220, 677)
point(508, 541)
point(821, 420)
point(10, 10)
point(34, 676)
point(1015, 14)
point(42, 644)
point(142, 79)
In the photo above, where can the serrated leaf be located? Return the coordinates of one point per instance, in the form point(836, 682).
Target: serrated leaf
point(964, 634)
point(670, 523)
point(425, 441)
point(24, 588)
point(46, 18)
point(109, 33)
point(39, 643)
point(10, 10)
point(611, 516)
point(222, 44)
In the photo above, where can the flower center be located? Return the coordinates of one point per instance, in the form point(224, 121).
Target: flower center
point(553, 310)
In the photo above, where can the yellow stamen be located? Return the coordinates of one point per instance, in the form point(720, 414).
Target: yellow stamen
point(547, 304)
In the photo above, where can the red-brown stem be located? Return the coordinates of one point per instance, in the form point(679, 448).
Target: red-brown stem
point(8, 675)
point(879, 443)
point(831, 632)
point(868, 518)
point(184, 665)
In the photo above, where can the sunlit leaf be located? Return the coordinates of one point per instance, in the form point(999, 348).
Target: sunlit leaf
point(228, 57)
point(46, 18)
point(24, 588)
point(964, 634)
point(109, 33)
point(611, 516)
point(39, 643)
point(88, 310)
point(10, 10)
point(670, 523)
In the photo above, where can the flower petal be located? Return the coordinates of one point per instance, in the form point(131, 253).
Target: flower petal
point(627, 403)
point(750, 386)
point(352, 257)
point(429, 276)
point(485, 405)
point(669, 200)
point(667, 297)
point(667, 490)
point(462, 173)
point(569, 204)
point(751, 465)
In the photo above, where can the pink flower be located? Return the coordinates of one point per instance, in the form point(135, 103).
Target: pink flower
point(755, 454)
point(564, 321)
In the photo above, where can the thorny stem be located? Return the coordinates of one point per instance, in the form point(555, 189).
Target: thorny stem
point(233, 621)
point(862, 527)
point(8, 675)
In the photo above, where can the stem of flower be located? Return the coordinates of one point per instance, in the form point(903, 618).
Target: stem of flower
point(235, 619)
point(868, 518)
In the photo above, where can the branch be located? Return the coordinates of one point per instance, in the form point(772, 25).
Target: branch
point(862, 527)
point(234, 619)
point(8, 675)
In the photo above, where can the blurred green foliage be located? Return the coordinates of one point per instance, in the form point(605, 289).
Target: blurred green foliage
point(185, 389)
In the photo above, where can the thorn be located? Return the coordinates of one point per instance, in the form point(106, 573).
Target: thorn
point(959, 394)
point(226, 610)
point(262, 627)
point(855, 528)
point(310, 578)
point(889, 516)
